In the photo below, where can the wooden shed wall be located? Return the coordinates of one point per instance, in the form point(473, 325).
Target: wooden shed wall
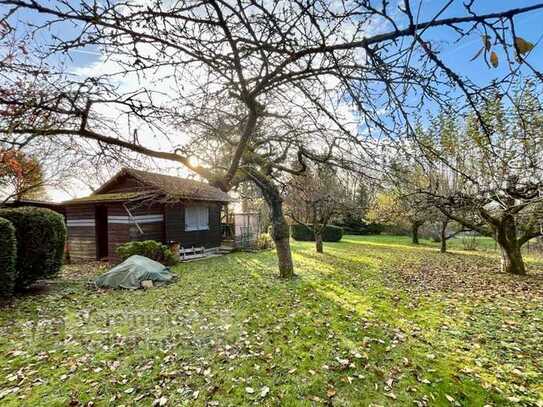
point(149, 224)
point(158, 222)
point(117, 232)
point(81, 231)
point(175, 226)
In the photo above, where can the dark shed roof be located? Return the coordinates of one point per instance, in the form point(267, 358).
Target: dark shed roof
point(175, 188)
point(115, 197)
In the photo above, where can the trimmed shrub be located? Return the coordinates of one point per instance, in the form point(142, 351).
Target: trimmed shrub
point(148, 248)
point(8, 258)
point(363, 229)
point(41, 235)
point(372, 229)
point(304, 233)
point(332, 233)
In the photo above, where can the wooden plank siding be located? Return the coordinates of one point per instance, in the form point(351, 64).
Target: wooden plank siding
point(175, 225)
point(118, 233)
point(123, 232)
point(151, 231)
point(160, 222)
point(81, 239)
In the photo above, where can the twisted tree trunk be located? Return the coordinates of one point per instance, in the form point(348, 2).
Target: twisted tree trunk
point(318, 230)
point(510, 246)
point(504, 229)
point(511, 260)
point(281, 237)
point(280, 231)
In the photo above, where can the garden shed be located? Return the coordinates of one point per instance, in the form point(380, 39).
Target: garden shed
point(140, 205)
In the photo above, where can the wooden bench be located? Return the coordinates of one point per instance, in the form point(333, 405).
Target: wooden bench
point(190, 253)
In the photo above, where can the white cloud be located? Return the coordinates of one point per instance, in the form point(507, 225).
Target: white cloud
point(165, 85)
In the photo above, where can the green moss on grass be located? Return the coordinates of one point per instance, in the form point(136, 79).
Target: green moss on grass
point(354, 328)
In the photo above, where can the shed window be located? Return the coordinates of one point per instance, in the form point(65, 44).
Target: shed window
point(197, 218)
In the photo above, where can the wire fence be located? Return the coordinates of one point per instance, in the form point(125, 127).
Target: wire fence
point(469, 241)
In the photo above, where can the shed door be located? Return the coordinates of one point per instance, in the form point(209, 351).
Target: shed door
point(101, 233)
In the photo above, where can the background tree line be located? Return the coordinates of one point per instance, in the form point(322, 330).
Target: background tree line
point(482, 174)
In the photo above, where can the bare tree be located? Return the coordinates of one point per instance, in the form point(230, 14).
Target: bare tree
point(492, 185)
point(27, 173)
point(314, 198)
point(399, 202)
point(299, 62)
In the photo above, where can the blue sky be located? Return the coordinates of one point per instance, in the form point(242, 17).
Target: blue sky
point(82, 57)
point(456, 54)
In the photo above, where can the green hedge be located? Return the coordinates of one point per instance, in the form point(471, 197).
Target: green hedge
point(364, 229)
point(41, 235)
point(304, 233)
point(8, 258)
point(332, 233)
point(148, 248)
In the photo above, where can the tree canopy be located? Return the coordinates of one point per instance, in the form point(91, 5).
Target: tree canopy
point(266, 84)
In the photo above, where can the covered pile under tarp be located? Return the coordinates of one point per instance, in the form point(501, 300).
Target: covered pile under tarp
point(131, 272)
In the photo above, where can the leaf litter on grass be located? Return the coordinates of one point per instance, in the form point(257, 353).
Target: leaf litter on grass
point(373, 320)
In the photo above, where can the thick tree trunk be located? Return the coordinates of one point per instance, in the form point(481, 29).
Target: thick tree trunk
point(284, 257)
point(415, 233)
point(506, 237)
point(279, 226)
point(512, 261)
point(280, 232)
point(318, 242)
point(443, 248)
point(280, 235)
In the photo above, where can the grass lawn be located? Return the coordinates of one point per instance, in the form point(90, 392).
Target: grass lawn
point(373, 321)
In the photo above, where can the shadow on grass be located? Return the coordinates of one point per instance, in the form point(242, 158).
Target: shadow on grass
point(323, 319)
point(374, 315)
point(336, 327)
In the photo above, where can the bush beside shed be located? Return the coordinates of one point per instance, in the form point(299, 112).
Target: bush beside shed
point(41, 235)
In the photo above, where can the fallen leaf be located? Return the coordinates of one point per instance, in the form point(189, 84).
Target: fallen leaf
point(264, 391)
point(162, 401)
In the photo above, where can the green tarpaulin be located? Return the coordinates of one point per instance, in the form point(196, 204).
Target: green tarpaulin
point(131, 272)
